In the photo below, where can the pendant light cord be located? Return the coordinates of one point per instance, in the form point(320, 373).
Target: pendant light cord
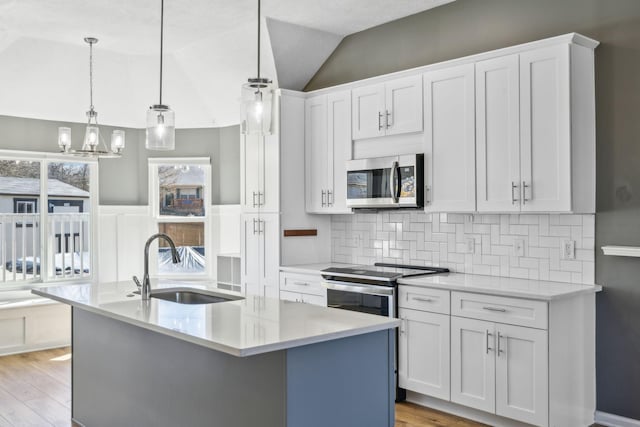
point(161, 43)
point(91, 76)
point(259, 38)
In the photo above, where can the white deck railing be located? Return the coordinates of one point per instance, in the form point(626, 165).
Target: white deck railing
point(67, 243)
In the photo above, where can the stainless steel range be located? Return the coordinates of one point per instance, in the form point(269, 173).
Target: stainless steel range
point(373, 290)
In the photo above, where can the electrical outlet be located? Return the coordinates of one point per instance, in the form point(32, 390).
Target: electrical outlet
point(518, 247)
point(471, 245)
point(568, 249)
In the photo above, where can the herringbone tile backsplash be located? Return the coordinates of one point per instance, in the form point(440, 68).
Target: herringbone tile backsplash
point(414, 237)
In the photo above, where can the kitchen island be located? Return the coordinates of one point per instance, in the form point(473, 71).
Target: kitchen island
point(253, 361)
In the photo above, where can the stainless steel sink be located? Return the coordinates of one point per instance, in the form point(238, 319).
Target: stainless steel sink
point(191, 296)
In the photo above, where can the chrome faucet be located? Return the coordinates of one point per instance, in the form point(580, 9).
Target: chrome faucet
point(145, 287)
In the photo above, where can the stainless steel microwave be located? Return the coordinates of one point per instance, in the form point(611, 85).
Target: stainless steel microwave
point(386, 182)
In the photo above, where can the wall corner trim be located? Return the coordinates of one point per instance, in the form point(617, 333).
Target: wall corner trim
point(611, 420)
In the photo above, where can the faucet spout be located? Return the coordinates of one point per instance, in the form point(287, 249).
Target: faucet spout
point(145, 292)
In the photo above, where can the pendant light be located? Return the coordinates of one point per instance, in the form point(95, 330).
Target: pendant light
point(161, 128)
point(257, 98)
point(93, 145)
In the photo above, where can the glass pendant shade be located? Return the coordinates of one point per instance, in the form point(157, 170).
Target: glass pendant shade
point(117, 141)
point(91, 138)
point(64, 139)
point(257, 107)
point(161, 128)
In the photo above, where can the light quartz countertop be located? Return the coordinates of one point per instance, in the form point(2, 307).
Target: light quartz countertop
point(314, 268)
point(502, 286)
point(491, 285)
point(244, 327)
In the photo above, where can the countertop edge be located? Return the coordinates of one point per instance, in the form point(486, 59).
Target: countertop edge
point(238, 352)
point(588, 289)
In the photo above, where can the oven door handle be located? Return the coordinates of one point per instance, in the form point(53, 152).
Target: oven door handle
point(358, 288)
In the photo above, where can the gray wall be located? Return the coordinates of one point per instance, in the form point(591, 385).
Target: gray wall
point(471, 26)
point(124, 181)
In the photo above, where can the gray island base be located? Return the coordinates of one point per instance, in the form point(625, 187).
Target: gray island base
point(126, 375)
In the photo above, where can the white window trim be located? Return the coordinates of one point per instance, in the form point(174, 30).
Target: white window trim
point(45, 158)
point(154, 203)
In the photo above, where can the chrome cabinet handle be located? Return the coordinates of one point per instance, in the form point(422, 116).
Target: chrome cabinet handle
point(387, 121)
point(260, 226)
point(260, 198)
point(501, 310)
point(329, 198)
point(514, 186)
point(427, 191)
point(254, 199)
point(499, 349)
point(301, 283)
point(254, 226)
point(379, 120)
point(486, 341)
point(524, 192)
point(322, 197)
point(402, 323)
point(422, 299)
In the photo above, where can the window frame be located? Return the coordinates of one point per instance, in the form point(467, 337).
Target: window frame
point(157, 218)
point(45, 159)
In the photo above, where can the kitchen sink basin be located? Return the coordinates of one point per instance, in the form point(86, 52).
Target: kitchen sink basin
point(191, 296)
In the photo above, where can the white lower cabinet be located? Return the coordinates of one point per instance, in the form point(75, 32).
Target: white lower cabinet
point(259, 246)
point(423, 364)
point(500, 368)
point(302, 287)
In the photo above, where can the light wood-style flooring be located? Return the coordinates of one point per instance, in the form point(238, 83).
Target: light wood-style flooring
point(35, 391)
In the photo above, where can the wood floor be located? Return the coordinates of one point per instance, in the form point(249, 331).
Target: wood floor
point(35, 391)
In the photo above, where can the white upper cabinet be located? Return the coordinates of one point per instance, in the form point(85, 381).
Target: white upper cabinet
point(390, 108)
point(339, 142)
point(260, 156)
point(535, 131)
point(545, 135)
point(450, 166)
point(316, 153)
point(498, 134)
point(327, 148)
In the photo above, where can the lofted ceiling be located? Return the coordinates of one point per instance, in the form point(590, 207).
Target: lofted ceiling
point(210, 50)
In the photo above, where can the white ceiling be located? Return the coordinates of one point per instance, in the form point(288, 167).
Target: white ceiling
point(209, 52)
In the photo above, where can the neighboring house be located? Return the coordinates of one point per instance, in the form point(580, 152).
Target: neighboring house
point(22, 195)
point(182, 194)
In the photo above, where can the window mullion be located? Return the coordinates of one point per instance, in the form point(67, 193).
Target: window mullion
point(44, 221)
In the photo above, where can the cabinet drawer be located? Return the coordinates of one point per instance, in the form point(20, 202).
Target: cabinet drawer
point(514, 311)
point(305, 283)
point(424, 299)
point(304, 298)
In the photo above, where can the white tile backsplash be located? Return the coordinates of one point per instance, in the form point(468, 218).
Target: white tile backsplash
point(417, 238)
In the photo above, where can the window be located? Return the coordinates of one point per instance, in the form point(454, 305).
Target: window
point(44, 235)
point(179, 194)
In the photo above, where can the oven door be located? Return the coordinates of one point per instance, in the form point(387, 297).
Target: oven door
point(372, 299)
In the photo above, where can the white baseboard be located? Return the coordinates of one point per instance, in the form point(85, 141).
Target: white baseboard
point(611, 420)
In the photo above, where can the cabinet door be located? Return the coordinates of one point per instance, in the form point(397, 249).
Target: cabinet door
point(251, 169)
point(498, 135)
point(316, 153)
point(403, 105)
point(339, 149)
point(368, 111)
point(545, 130)
point(250, 254)
point(423, 364)
point(269, 185)
point(473, 363)
point(522, 374)
point(269, 252)
point(450, 163)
